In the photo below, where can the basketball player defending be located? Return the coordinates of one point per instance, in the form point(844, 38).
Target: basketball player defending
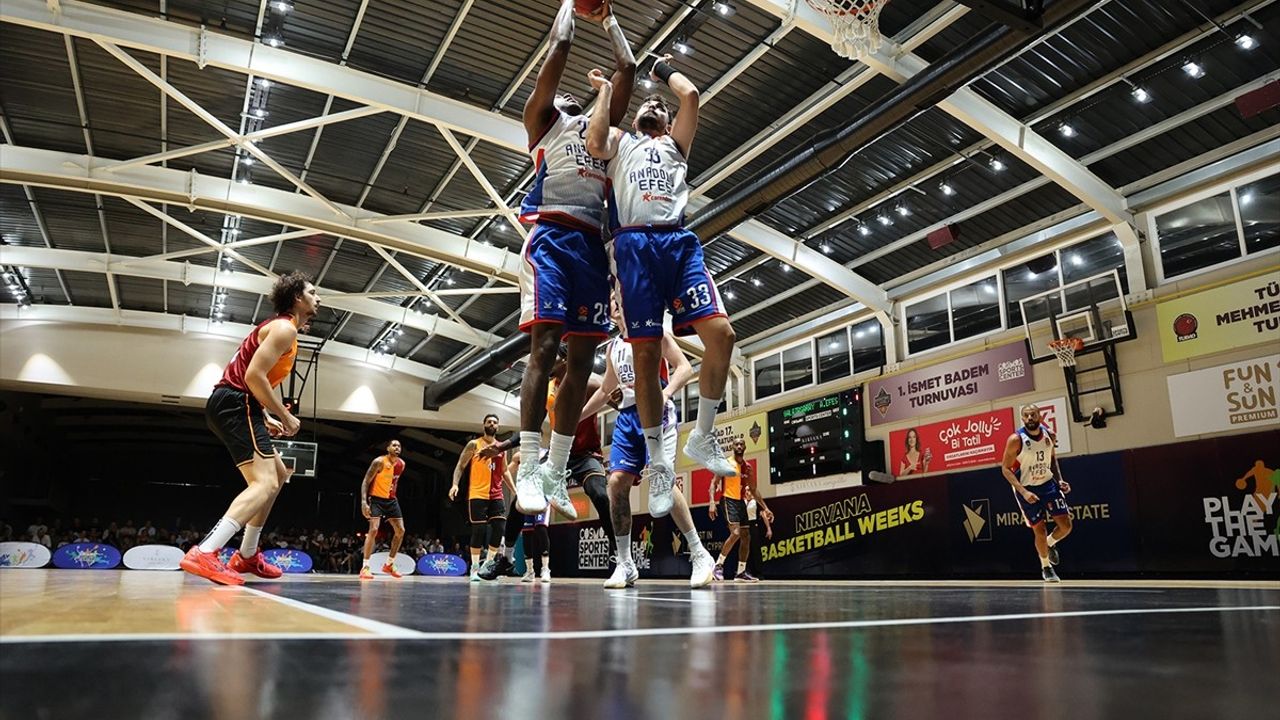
point(237, 412)
point(736, 490)
point(485, 505)
point(630, 453)
point(378, 500)
point(564, 286)
point(659, 265)
point(1039, 489)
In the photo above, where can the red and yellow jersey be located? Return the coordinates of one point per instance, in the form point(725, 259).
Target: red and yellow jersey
point(388, 477)
point(233, 375)
point(486, 473)
point(733, 484)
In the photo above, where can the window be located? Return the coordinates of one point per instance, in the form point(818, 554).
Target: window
point(768, 376)
point(1198, 235)
point(797, 366)
point(833, 356)
point(975, 309)
point(1030, 278)
point(1260, 214)
point(928, 325)
point(1093, 257)
point(867, 344)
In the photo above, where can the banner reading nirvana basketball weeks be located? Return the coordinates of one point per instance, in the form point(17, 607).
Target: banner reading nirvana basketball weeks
point(995, 373)
point(962, 442)
point(1232, 316)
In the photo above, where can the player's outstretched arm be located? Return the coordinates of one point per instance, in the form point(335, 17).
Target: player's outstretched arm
point(602, 137)
point(600, 397)
point(685, 125)
point(624, 67)
point(539, 107)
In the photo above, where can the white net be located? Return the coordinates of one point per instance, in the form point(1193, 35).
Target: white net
point(855, 25)
point(1065, 350)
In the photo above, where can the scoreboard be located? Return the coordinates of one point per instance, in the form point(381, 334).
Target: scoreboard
point(818, 437)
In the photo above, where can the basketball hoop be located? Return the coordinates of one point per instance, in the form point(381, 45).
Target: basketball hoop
point(1065, 350)
point(855, 25)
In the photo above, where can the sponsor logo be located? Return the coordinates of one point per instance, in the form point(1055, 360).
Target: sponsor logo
point(582, 313)
point(1011, 370)
point(755, 432)
point(23, 555)
point(1239, 524)
point(1185, 326)
point(882, 401)
point(977, 520)
point(441, 564)
point(289, 560)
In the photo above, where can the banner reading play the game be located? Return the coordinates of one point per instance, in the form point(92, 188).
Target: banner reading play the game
point(1232, 316)
point(963, 442)
point(1234, 396)
point(995, 373)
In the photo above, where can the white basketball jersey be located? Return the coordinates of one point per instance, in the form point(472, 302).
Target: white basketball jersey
point(569, 184)
point(647, 182)
point(1035, 460)
point(624, 366)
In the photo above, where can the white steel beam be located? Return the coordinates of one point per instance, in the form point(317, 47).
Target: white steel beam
point(80, 173)
point(199, 45)
point(188, 274)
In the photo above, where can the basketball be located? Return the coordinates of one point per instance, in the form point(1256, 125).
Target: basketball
point(586, 7)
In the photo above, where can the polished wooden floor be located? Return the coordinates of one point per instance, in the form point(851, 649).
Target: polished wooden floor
point(121, 644)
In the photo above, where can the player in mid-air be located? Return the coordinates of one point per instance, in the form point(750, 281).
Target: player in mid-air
point(1038, 485)
point(378, 501)
point(564, 286)
point(486, 508)
point(629, 454)
point(237, 412)
point(658, 265)
point(737, 489)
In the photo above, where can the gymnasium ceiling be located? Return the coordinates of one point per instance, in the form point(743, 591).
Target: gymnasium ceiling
point(424, 120)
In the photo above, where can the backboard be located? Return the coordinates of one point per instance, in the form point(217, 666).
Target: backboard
point(298, 455)
point(1093, 309)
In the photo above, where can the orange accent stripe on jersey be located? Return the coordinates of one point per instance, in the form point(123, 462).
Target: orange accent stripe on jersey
point(248, 423)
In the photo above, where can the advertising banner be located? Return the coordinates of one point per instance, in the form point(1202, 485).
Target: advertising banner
point(442, 564)
point(962, 442)
point(988, 375)
point(752, 429)
point(23, 555)
point(153, 557)
point(1232, 316)
point(86, 556)
point(404, 564)
point(1055, 415)
point(1233, 396)
point(288, 559)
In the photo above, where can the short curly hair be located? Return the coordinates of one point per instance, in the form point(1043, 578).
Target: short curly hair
point(288, 288)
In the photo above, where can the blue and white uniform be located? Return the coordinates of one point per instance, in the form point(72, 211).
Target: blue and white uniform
point(564, 276)
point(628, 452)
point(1035, 472)
point(658, 264)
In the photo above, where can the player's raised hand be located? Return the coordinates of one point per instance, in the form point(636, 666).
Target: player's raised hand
point(664, 59)
point(600, 13)
point(598, 80)
point(489, 451)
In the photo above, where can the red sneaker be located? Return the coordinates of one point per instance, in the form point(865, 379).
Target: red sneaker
point(208, 566)
point(257, 565)
point(389, 569)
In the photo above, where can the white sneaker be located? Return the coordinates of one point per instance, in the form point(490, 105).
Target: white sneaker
point(475, 577)
point(529, 497)
point(661, 478)
point(703, 569)
point(528, 575)
point(546, 572)
point(555, 487)
point(624, 576)
point(706, 451)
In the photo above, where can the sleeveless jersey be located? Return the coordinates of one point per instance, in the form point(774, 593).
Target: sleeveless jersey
point(486, 473)
point(385, 482)
point(233, 375)
point(624, 366)
point(733, 483)
point(1035, 459)
point(569, 184)
point(586, 437)
point(647, 182)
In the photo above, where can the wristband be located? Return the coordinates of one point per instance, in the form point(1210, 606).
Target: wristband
point(663, 71)
point(609, 22)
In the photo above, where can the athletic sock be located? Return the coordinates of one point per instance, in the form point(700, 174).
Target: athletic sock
point(558, 453)
point(1052, 541)
point(365, 566)
point(694, 542)
point(624, 549)
point(1044, 561)
point(249, 543)
point(220, 535)
point(530, 445)
point(653, 443)
point(508, 552)
point(707, 409)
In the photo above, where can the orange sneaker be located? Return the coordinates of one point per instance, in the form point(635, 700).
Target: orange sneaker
point(208, 566)
point(366, 573)
point(389, 569)
point(257, 565)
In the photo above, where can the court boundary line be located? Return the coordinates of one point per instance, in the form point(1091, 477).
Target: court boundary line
point(407, 634)
point(379, 628)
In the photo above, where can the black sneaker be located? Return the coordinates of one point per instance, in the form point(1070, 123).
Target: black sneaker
point(1046, 572)
point(495, 567)
point(1053, 554)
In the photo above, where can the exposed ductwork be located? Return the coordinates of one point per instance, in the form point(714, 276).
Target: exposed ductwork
point(829, 150)
point(484, 366)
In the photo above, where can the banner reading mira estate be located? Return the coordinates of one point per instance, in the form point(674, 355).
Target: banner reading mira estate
point(995, 373)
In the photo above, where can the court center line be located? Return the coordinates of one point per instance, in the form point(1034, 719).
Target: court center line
point(406, 634)
point(374, 626)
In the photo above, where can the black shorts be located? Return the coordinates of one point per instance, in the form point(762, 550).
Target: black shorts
point(582, 467)
point(236, 418)
point(482, 511)
point(735, 511)
point(384, 507)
